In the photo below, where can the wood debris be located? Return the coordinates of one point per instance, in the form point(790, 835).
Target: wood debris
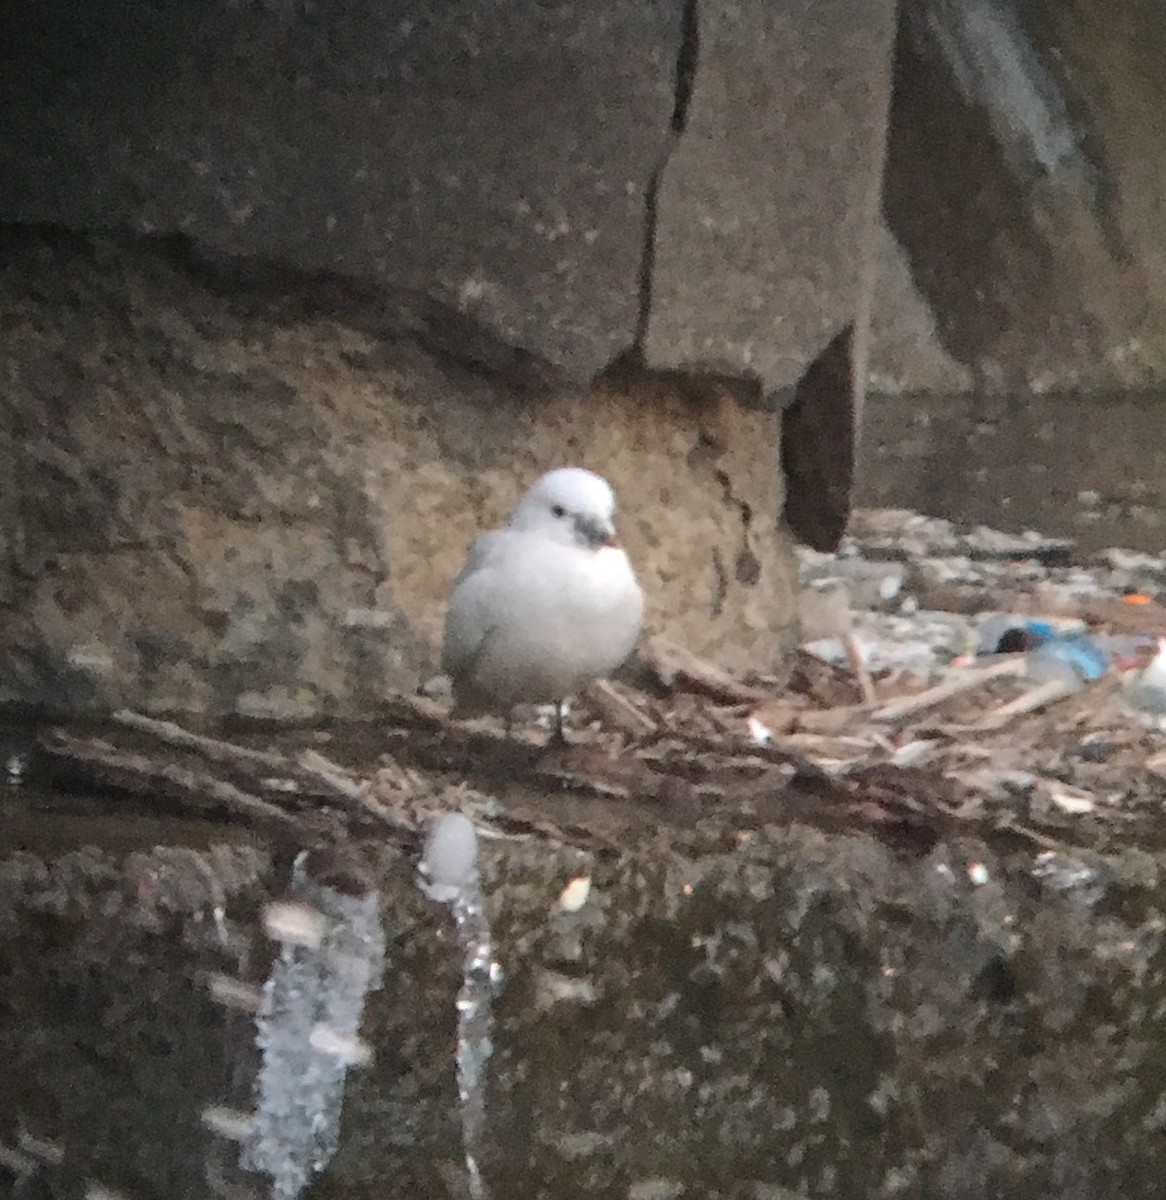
point(958, 681)
point(674, 666)
point(842, 741)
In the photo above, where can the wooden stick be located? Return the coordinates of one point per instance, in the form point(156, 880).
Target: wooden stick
point(168, 731)
point(343, 784)
point(1038, 697)
point(860, 669)
point(675, 665)
point(616, 709)
point(962, 681)
point(192, 784)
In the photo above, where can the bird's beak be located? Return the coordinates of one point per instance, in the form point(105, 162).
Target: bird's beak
point(595, 532)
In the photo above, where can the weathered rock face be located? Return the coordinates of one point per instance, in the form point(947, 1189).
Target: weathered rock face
point(763, 244)
point(217, 512)
point(906, 354)
point(494, 156)
point(257, 506)
point(762, 1013)
point(501, 159)
point(1024, 179)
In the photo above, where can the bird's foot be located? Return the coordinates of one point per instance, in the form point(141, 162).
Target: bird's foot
point(558, 736)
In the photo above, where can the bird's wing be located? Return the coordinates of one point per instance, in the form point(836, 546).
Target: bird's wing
point(468, 621)
point(486, 550)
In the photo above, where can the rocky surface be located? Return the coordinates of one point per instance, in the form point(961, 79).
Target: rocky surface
point(243, 482)
point(831, 953)
point(469, 153)
point(750, 941)
point(1023, 180)
point(907, 355)
point(245, 490)
point(695, 180)
point(556, 190)
point(502, 161)
point(779, 992)
point(763, 247)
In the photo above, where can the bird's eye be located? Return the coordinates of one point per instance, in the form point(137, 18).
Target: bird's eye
point(557, 510)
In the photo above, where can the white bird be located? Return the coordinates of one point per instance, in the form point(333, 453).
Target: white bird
point(545, 604)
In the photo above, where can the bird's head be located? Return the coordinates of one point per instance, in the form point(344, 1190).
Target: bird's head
point(569, 505)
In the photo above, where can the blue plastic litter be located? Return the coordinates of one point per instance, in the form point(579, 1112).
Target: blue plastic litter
point(1085, 656)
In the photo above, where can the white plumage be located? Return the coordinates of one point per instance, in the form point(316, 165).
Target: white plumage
point(545, 604)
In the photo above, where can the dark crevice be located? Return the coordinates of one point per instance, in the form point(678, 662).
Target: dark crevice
point(746, 565)
point(817, 446)
point(720, 583)
point(722, 477)
point(742, 506)
point(686, 60)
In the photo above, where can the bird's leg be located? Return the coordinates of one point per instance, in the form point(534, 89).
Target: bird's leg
point(559, 737)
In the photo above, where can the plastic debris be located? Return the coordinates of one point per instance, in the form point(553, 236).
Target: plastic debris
point(15, 767)
point(1147, 691)
point(1056, 650)
point(1075, 660)
point(1063, 873)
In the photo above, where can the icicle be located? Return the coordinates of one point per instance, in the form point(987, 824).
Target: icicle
point(450, 868)
point(331, 957)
